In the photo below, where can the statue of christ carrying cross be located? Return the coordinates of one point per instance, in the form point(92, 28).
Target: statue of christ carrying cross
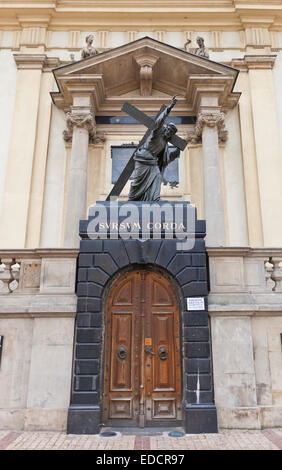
point(151, 159)
point(152, 155)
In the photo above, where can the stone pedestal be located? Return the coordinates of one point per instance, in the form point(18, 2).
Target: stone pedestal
point(107, 255)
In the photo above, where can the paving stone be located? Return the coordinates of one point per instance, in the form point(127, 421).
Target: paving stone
point(225, 439)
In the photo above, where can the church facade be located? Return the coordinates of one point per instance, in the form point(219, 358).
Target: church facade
point(137, 330)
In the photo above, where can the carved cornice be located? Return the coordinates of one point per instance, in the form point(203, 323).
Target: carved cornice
point(30, 61)
point(254, 62)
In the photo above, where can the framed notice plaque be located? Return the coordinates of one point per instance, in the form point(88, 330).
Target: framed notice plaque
point(195, 303)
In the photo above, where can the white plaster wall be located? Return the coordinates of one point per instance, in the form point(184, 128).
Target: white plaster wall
point(54, 185)
point(64, 54)
point(116, 38)
point(279, 38)
point(175, 38)
point(277, 76)
point(233, 173)
point(59, 39)
point(230, 39)
point(7, 38)
point(8, 78)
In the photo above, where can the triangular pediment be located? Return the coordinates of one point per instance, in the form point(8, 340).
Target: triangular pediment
point(145, 69)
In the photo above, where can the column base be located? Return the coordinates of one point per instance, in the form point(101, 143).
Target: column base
point(84, 420)
point(200, 419)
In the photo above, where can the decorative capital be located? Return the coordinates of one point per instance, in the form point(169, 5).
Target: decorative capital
point(209, 120)
point(85, 121)
point(97, 139)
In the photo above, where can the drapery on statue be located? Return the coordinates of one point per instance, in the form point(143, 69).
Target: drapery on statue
point(202, 50)
point(88, 50)
point(152, 158)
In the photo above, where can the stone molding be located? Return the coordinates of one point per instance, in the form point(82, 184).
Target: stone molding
point(250, 62)
point(36, 62)
point(30, 61)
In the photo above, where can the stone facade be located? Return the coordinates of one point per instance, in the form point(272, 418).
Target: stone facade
point(60, 115)
point(37, 323)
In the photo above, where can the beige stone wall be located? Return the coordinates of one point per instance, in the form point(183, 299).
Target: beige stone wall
point(37, 310)
point(245, 306)
point(34, 393)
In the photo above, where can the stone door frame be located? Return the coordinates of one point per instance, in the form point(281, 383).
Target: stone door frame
point(98, 262)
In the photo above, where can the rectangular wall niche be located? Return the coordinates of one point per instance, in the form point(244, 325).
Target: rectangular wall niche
point(120, 154)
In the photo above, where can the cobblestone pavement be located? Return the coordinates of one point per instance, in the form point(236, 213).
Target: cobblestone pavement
point(267, 439)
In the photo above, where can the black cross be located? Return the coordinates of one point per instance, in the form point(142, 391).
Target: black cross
point(148, 122)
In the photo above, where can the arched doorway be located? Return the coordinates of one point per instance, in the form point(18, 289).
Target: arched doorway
point(142, 367)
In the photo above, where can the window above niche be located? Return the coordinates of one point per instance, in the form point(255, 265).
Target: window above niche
point(120, 154)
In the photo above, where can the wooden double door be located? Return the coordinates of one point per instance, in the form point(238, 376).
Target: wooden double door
point(142, 375)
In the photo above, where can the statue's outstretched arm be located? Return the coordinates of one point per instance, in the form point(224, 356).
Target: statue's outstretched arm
point(161, 118)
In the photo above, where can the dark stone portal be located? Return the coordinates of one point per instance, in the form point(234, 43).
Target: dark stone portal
point(99, 261)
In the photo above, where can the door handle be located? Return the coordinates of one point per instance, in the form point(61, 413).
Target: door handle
point(163, 353)
point(122, 353)
point(148, 350)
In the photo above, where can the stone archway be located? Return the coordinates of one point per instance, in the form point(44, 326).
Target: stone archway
point(99, 261)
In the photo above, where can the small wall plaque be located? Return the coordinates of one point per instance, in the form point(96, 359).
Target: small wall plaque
point(148, 341)
point(195, 303)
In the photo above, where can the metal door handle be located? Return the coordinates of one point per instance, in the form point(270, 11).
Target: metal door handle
point(149, 351)
point(163, 353)
point(122, 353)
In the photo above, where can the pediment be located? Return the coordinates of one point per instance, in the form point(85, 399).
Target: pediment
point(147, 70)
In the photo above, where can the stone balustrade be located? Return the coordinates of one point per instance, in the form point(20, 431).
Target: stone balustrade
point(245, 279)
point(29, 277)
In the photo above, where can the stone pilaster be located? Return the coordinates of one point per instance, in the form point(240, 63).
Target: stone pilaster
point(81, 124)
point(208, 126)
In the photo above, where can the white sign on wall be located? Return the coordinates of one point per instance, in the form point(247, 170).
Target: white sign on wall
point(195, 303)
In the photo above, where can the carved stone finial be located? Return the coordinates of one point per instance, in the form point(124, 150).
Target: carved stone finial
point(89, 50)
point(202, 50)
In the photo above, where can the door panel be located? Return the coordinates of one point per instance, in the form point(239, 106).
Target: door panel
point(142, 380)
point(121, 352)
point(163, 362)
